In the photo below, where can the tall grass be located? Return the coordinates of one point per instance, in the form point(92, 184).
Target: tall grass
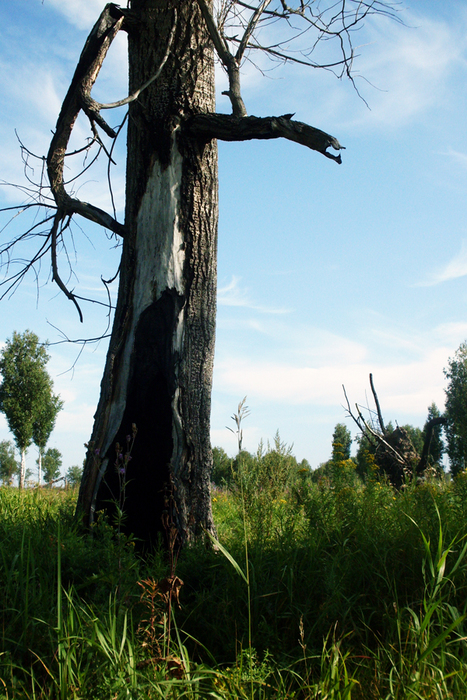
point(352, 591)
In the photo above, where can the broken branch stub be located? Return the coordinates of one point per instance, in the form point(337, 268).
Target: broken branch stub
point(229, 128)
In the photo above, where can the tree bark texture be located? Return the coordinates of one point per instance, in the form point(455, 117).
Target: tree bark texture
point(158, 372)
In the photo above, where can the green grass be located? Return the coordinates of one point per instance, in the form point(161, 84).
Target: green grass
point(351, 591)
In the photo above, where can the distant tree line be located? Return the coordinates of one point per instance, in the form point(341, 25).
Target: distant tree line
point(273, 466)
point(383, 451)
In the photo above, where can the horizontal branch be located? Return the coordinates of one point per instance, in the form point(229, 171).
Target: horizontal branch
point(228, 128)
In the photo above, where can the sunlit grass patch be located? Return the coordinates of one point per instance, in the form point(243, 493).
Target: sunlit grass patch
point(353, 592)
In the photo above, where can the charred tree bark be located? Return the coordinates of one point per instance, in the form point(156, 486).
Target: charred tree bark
point(158, 373)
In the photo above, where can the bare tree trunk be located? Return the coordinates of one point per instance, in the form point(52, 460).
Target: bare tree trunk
point(158, 371)
point(22, 471)
point(39, 467)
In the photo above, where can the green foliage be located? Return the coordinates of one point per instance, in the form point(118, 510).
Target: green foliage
point(355, 593)
point(341, 468)
point(437, 447)
point(259, 482)
point(365, 458)
point(51, 463)
point(221, 468)
point(22, 363)
point(341, 443)
point(74, 474)
point(46, 416)
point(417, 437)
point(8, 464)
point(456, 409)
point(26, 396)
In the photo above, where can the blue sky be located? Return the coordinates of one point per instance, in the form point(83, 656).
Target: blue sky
point(326, 272)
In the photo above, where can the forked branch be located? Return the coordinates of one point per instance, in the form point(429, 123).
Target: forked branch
point(239, 32)
point(79, 97)
point(229, 61)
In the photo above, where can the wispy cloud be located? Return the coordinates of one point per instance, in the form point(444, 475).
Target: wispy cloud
point(455, 268)
point(406, 387)
point(80, 13)
point(403, 72)
point(457, 157)
point(233, 295)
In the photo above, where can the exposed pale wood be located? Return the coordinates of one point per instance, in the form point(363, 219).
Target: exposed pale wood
point(158, 372)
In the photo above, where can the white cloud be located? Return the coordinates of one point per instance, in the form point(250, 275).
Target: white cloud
point(457, 157)
point(455, 268)
point(451, 334)
point(402, 72)
point(411, 65)
point(232, 294)
point(80, 13)
point(404, 389)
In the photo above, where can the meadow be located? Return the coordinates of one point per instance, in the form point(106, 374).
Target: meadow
point(329, 589)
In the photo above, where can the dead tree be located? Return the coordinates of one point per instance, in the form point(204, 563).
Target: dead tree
point(395, 454)
point(158, 372)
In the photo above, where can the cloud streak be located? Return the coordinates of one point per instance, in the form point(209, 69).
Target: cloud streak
point(454, 269)
point(233, 295)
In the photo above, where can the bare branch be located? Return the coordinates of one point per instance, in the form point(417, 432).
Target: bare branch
point(243, 21)
point(134, 96)
point(228, 128)
point(218, 39)
point(395, 454)
point(56, 277)
point(378, 409)
point(228, 60)
point(78, 97)
point(109, 164)
point(255, 18)
point(11, 282)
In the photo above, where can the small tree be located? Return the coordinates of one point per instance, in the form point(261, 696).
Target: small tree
point(51, 461)
point(74, 474)
point(8, 463)
point(436, 447)
point(341, 443)
point(456, 409)
point(26, 389)
point(221, 467)
point(45, 422)
point(341, 467)
point(26, 396)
